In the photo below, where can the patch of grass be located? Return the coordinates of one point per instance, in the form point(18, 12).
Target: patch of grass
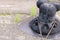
point(17, 18)
point(3, 14)
point(32, 11)
point(50, 0)
point(0, 14)
point(10, 12)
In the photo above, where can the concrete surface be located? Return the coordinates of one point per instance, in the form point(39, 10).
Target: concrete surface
point(9, 30)
point(16, 6)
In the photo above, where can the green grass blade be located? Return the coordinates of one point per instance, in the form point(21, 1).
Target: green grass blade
point(32, 11)
point(17, 18)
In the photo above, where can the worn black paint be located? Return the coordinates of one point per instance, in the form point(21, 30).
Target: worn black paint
point(47, 11)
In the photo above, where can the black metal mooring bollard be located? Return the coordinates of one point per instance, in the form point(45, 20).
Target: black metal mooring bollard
point(47, 11)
